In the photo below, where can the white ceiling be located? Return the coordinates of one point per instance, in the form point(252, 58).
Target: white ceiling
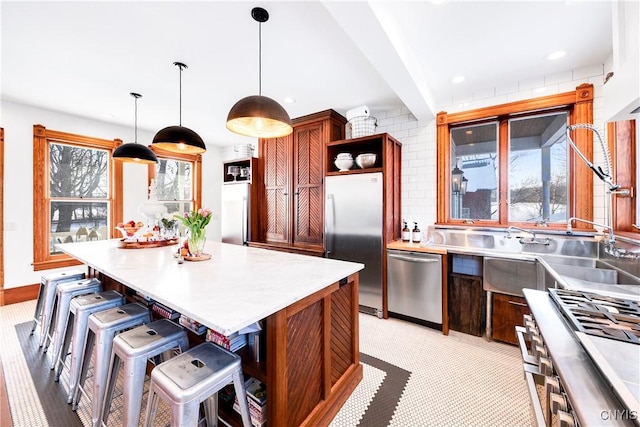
point(83, 58)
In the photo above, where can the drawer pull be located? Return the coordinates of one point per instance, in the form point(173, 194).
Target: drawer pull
point(520, 304)
point(536, 406)
point(526, 357)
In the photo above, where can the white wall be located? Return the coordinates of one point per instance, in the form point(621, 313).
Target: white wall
point(419, 155)
point(17, 121)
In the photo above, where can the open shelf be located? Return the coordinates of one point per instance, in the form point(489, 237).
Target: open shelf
point(367, 144)
point(249, 162)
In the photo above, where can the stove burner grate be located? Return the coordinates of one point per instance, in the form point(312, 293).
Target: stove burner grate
point(599, 315)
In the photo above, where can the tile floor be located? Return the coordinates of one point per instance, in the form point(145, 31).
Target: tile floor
point(413, 376)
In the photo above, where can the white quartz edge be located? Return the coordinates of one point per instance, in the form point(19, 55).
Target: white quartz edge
point(237, 287)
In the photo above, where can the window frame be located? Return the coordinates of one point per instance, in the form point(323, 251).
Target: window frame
point(579, 107)
point(196, 162)
point(42, 138)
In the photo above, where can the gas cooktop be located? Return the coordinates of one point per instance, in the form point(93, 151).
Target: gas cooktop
point(600, 315)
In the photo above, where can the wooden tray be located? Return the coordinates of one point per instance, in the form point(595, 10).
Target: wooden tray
point(202, 257)
point(147, 244)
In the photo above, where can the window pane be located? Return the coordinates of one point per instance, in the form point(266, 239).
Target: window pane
point(173, 182)
point(538, 168)
point(74, 221)
point(77, 172)
point(474, 168)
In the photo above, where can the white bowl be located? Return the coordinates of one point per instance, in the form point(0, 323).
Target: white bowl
point(366, 160)
point(343, 164)
point(344, 156)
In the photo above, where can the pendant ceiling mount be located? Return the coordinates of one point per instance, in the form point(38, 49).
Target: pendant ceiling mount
point(179, 139)
point(258, 115)
point(132, 151)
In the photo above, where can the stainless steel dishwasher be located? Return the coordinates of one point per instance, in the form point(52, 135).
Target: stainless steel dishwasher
point(414, 285)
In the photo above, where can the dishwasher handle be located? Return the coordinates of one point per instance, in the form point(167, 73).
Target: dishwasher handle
point(413, 259)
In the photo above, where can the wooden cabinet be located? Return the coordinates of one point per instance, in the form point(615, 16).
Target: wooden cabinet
point(507, 312)
point(466, 304)
point(292, 195)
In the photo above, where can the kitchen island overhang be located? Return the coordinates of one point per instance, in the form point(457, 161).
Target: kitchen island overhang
point(309, 306)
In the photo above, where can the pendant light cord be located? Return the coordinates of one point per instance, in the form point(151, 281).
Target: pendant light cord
point(260, 58)
point(180, 66)
point(135, 115)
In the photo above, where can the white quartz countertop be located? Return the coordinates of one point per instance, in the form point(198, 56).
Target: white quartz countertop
point(238, 286)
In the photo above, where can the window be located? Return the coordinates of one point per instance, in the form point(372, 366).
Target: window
point(75, 188)
point(511, 164)
point(178, 180)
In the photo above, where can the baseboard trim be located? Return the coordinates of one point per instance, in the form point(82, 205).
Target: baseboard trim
point(19, 294)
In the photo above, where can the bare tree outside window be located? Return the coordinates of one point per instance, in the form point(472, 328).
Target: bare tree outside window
point(79, 193)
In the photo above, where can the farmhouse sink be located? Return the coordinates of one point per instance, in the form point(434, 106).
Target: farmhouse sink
point(510, 275)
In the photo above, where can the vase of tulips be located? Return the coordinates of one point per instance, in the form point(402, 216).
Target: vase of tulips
point(196, 222)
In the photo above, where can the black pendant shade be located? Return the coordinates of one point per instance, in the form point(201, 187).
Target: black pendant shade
point(258, 115)
point(179, 139)
point(132, 151)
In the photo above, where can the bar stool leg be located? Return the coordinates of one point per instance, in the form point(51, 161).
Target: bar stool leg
point(152, 406)
point(238, 385)
point(211, 410)
point(100, 371)
point(186, 414)
point(86, 352)
point(64, 348)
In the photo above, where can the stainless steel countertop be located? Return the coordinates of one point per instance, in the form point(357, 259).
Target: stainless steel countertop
point(591, 397)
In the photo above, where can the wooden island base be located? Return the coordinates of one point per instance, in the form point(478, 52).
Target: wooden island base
point(312, 358)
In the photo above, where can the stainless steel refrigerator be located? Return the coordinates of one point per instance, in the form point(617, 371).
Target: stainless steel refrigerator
point(353, 230)
point(235, 215)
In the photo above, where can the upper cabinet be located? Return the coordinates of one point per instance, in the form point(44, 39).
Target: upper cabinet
point(292, 167)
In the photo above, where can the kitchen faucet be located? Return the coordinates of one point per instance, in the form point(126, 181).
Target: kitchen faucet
point(513, 227)
point(531, 241)
point(612, 238)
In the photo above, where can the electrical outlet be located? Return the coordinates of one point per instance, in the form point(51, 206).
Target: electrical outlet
point(10, 226)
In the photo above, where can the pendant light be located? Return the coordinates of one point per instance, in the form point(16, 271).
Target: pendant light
point(259, 115)
point(179, 139)
point(132, 151)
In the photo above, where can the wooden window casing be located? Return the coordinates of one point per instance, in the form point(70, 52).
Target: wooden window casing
point(579, 106)
point(42, 137)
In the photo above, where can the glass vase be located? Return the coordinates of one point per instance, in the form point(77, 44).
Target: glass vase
point(169, 232)
point(196, 240)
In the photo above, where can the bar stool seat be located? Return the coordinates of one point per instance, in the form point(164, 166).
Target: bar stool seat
point(80, 309)
point(64, 293)
point(103, 327)
point(46, 296)
point(156, 340)
point(194, 377)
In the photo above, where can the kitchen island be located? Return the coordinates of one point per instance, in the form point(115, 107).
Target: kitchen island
point(308, 307)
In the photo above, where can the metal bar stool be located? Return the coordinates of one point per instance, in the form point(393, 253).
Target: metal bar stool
point(64, 293)
point(194, 377)
point(103, 327)
point(46, 295)
point(156, 340)
point(80, 309)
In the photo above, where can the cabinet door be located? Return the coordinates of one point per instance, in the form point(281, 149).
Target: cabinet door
point(507, 314)
point(275, 153)
point(307, 209)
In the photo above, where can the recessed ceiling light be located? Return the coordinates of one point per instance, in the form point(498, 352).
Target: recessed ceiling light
point(107, 115)
point(556, 55)
point(289, 100)
point(457, 79)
